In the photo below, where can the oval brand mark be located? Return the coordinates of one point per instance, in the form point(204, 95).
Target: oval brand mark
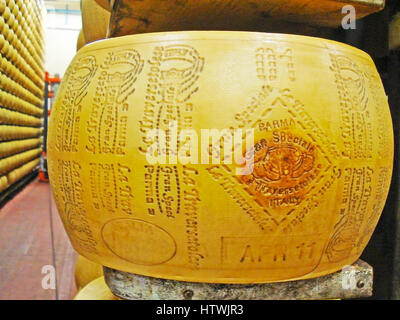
point(138, 241)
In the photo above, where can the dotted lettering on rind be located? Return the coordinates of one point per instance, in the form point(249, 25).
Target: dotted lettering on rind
point(69, 199)
point(357, 193)
point(273, 64)
point(107, 126)
point(110, 187)
point(173, 73)
point(68, 117)
point(172, 76)
point(356, 126)
point(379, 201)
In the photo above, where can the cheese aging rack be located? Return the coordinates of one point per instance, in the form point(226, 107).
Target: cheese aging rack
point(21, 92)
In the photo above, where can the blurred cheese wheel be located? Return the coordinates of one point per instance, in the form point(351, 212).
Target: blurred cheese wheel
point(96, 290)
point(18, 76)
point(81, 40)
point(12, 102)
point(22, 171)
point(86, 271)
point(11, 86)
point(3, 183)
point(7, 164)
point(12, 147)
point(95, 21)
point(15, 132)
point(17, 118)
point(318, 170)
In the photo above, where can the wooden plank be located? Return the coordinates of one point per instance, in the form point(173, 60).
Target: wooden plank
point(132, 17)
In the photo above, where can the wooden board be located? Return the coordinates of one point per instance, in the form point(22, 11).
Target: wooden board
point(131, 17)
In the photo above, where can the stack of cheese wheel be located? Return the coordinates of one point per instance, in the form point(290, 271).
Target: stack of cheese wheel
point(21, 88)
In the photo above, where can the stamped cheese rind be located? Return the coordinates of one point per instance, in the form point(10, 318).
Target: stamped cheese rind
point(322, 164)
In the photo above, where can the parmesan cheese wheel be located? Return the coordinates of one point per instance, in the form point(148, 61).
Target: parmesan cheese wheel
point(17, 118)
point(289, 185)
point(95, 21)
point(13, 147)
point(96, 290)
point(81, 40)
point(16, 132)
point(86, 271)
point(7, 164)
point(22, 171)
point(3, 183)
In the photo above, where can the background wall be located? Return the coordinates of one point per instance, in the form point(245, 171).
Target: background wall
point(63, 23)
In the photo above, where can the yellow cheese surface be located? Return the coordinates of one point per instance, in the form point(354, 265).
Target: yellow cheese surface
point(81, 40)
point(96, 290)
point(86, 271)
point(322, 164)
point(95, 21)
